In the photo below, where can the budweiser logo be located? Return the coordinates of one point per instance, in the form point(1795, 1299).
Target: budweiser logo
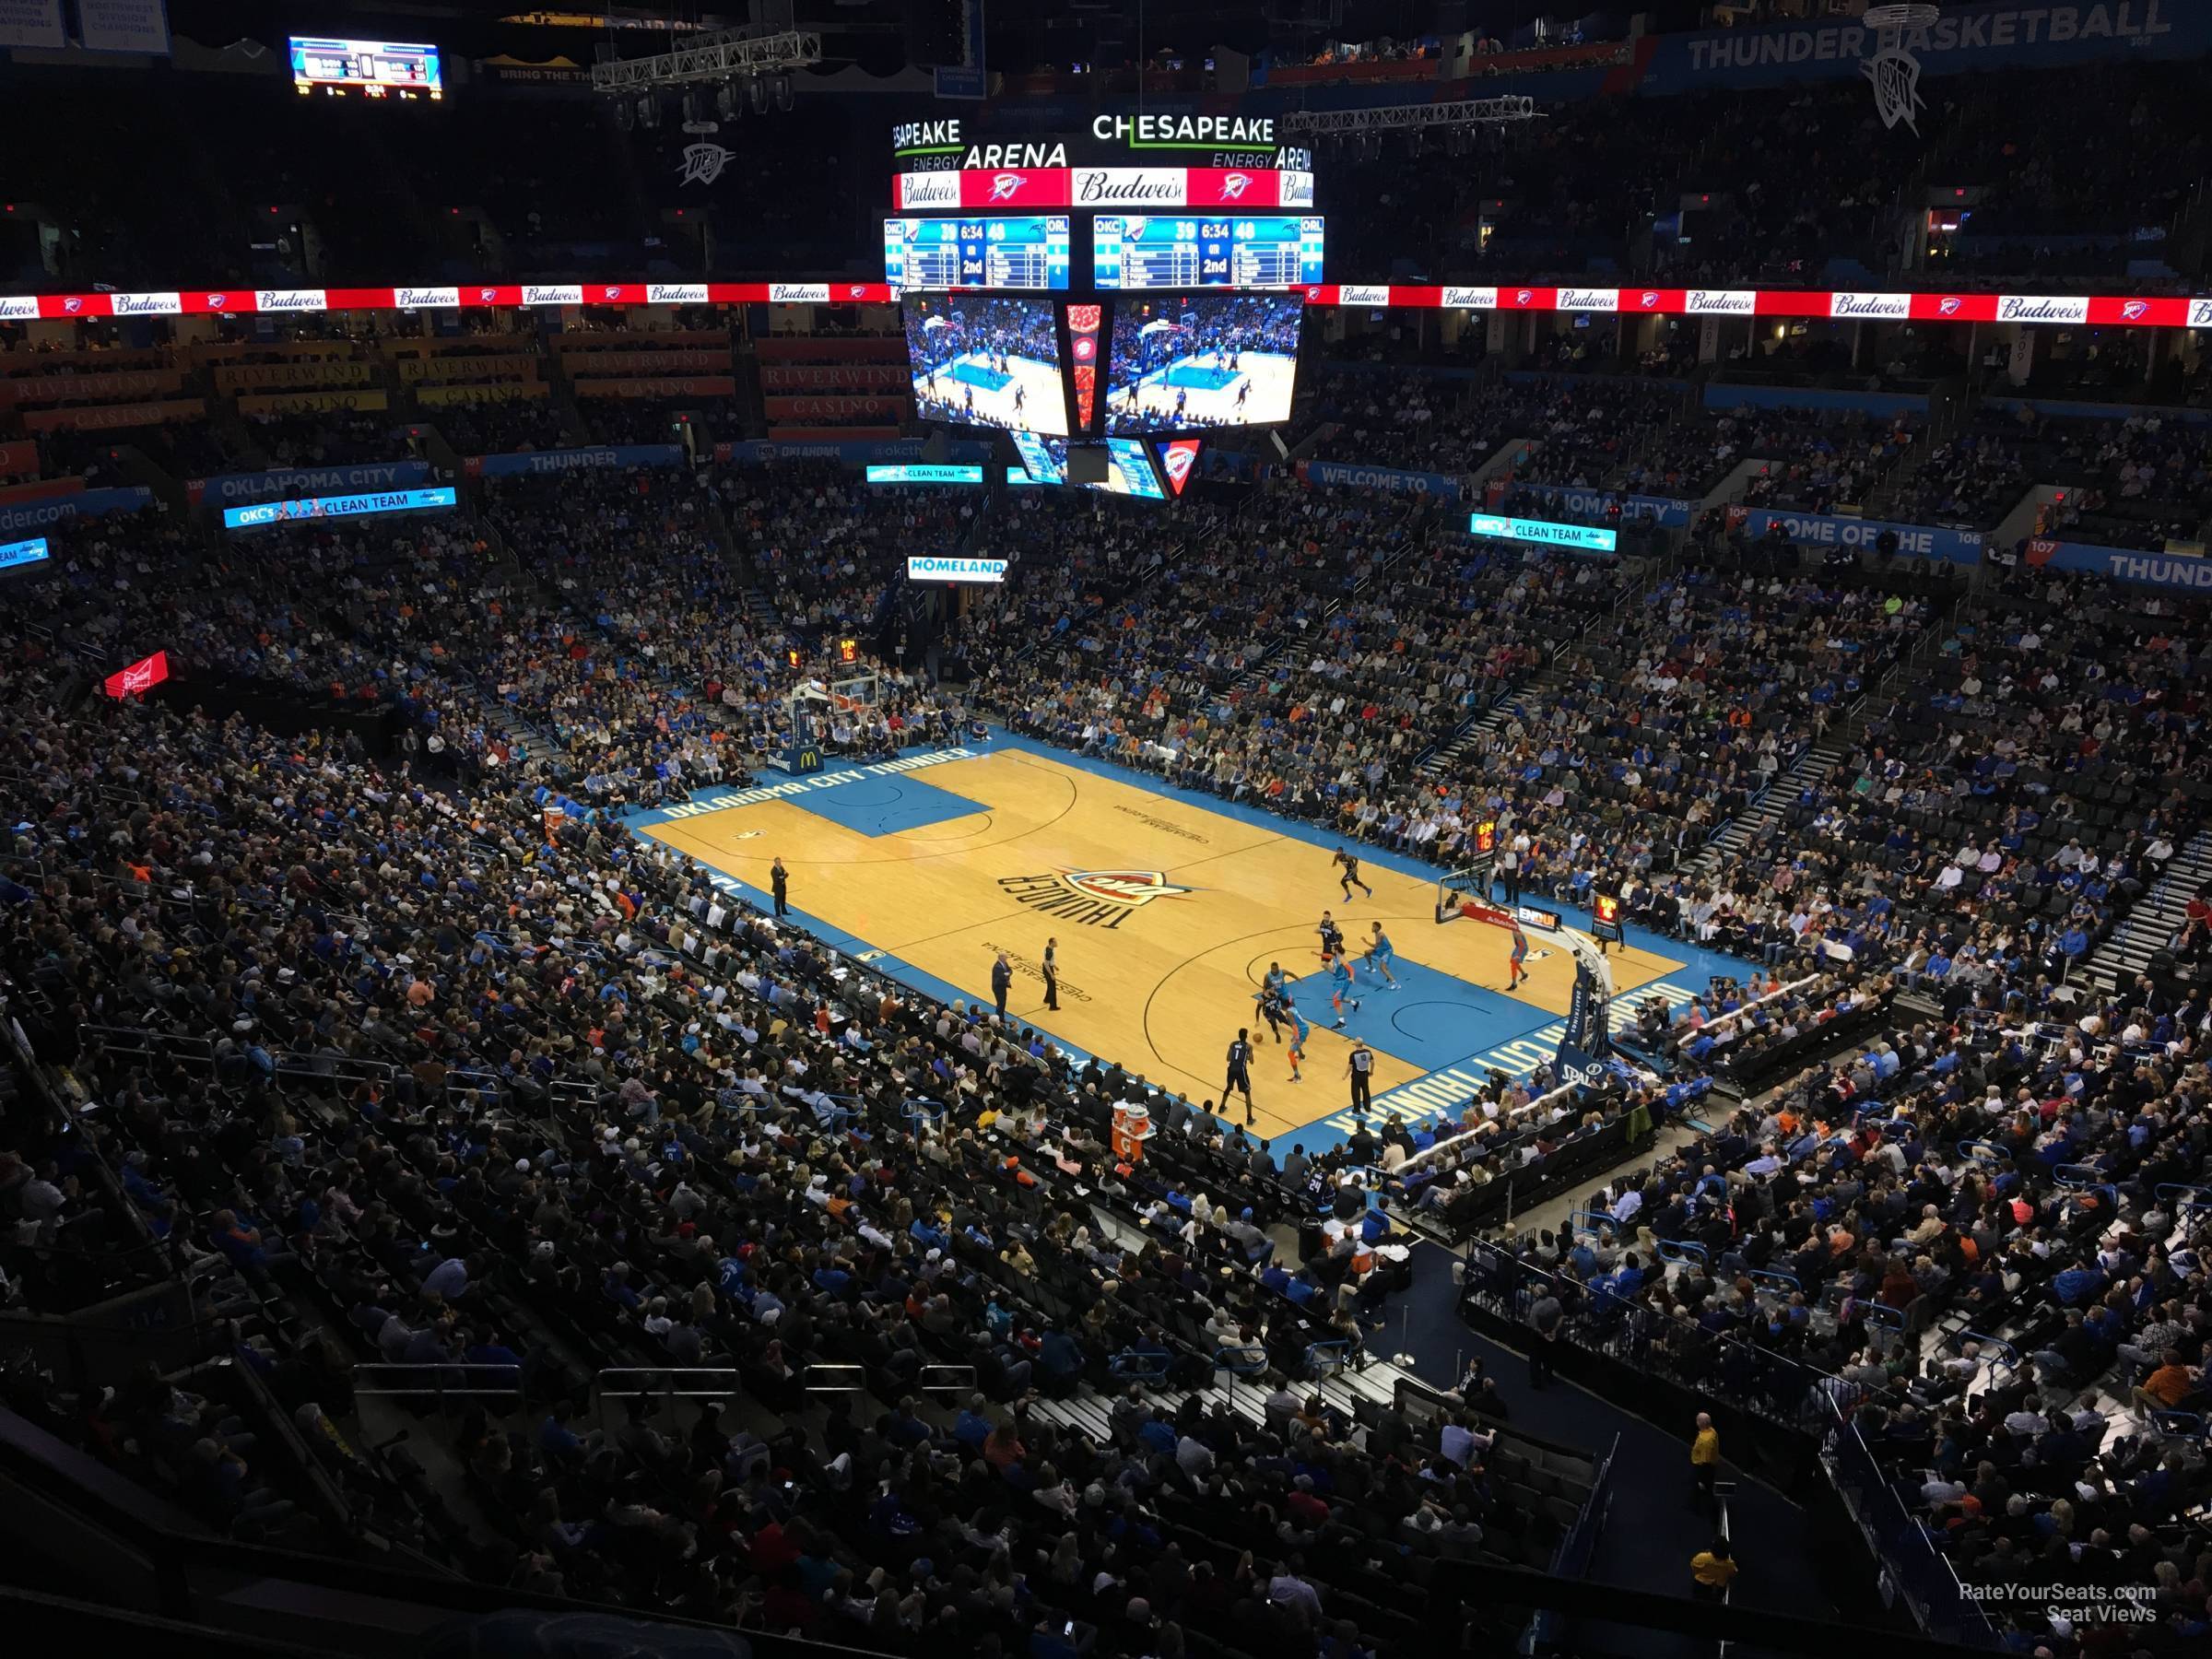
point(797, 293)
point(1162, 186)
point(2200, 313)
point(1573, 298)
point(1294, 189)
point(1351, 295)
point(1721, 302)
point(144, 305)
point(677, 293)
point(22, 309)
point(1470, 298)
point(929, 190)
point(2042, 307)
point(288, 299)
point(1870, 305)
point(553, 296)
point(412, 299)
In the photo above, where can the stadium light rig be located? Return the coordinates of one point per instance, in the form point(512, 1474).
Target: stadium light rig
point(1467, 111)
point(710, 59)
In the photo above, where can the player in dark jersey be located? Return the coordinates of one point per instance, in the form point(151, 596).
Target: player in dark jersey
point(1349, 863)
point(1331, 936)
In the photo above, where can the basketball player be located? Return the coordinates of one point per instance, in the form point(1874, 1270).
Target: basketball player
point(1271, 1010)
point(1350, 878)
point(1332, 938)
point(1519, 957)
point(1340, 969)
point(1379, 954)
point(1277, 981)
point(1240, 1072)
point(1051, 973)
point(1299, 1031)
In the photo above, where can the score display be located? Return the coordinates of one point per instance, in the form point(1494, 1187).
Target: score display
point(372, 68)
point(1023, 252)
point(1185, 250)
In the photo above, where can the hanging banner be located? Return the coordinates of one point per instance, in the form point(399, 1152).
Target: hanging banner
point(510, 365)
point(83, 503)
point(692, 385)
point(34, 25)
point(140, 26)
point(110, 418)
point(574, 460)
point(506, 392)
point(1821, 530)
point(243, 377)
point(1354, 474)
point(2191, 573)
point(309, 480)
point(308, 403)
point(130, 384)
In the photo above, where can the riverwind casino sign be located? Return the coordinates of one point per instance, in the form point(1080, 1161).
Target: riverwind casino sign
point(1139, 161)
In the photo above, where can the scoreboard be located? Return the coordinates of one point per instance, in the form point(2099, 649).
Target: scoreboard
point(372, 69)
point(1030, 253)
point(1138, 250)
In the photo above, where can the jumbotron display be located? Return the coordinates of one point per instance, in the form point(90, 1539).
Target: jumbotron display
point(372, 69)
point(986, 362)
point(1128, 469)
point(1195, 361)
point(1024, 251)
point(1175, 251)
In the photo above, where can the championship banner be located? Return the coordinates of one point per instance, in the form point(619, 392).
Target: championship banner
point(309, 480)
point(82, 503)
point(505, 392)
point(690, 385)
point(834, 408)
point(512, 366)
point(1822, 530)
point(19, 458)
point(835, 377)
point(704, 360)
point(133, 385)
point(242, 376)
point(543, 461)
point(658, 339)
point(110, 418)
point(1391, 480)
point(309, 402)
point(2187, 572)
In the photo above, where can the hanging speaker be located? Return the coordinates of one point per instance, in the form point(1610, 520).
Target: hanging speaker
point(756, 94)
point(783, 94)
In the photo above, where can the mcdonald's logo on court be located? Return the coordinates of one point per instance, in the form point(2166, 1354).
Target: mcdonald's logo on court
point(1094, 898)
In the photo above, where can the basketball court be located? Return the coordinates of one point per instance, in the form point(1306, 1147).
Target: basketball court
point(1209, 388)
point(1037, 408)
point(1168, 907)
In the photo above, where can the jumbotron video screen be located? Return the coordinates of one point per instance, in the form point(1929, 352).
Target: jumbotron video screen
point(986, 362)
point(1187, 362)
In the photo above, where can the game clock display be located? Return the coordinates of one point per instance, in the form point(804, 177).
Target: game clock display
point(1178, 250)
point(370, 68)
point(1009, 252)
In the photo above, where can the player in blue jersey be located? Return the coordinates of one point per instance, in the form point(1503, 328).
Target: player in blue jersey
point(1379, 954)
point(1520, 956)
point(1299, 1030)
point(1340, 970)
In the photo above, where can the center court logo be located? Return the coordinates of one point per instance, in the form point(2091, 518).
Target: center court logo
point(1094, 898)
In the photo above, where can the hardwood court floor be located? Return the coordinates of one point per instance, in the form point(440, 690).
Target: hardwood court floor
point(1167, 912)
